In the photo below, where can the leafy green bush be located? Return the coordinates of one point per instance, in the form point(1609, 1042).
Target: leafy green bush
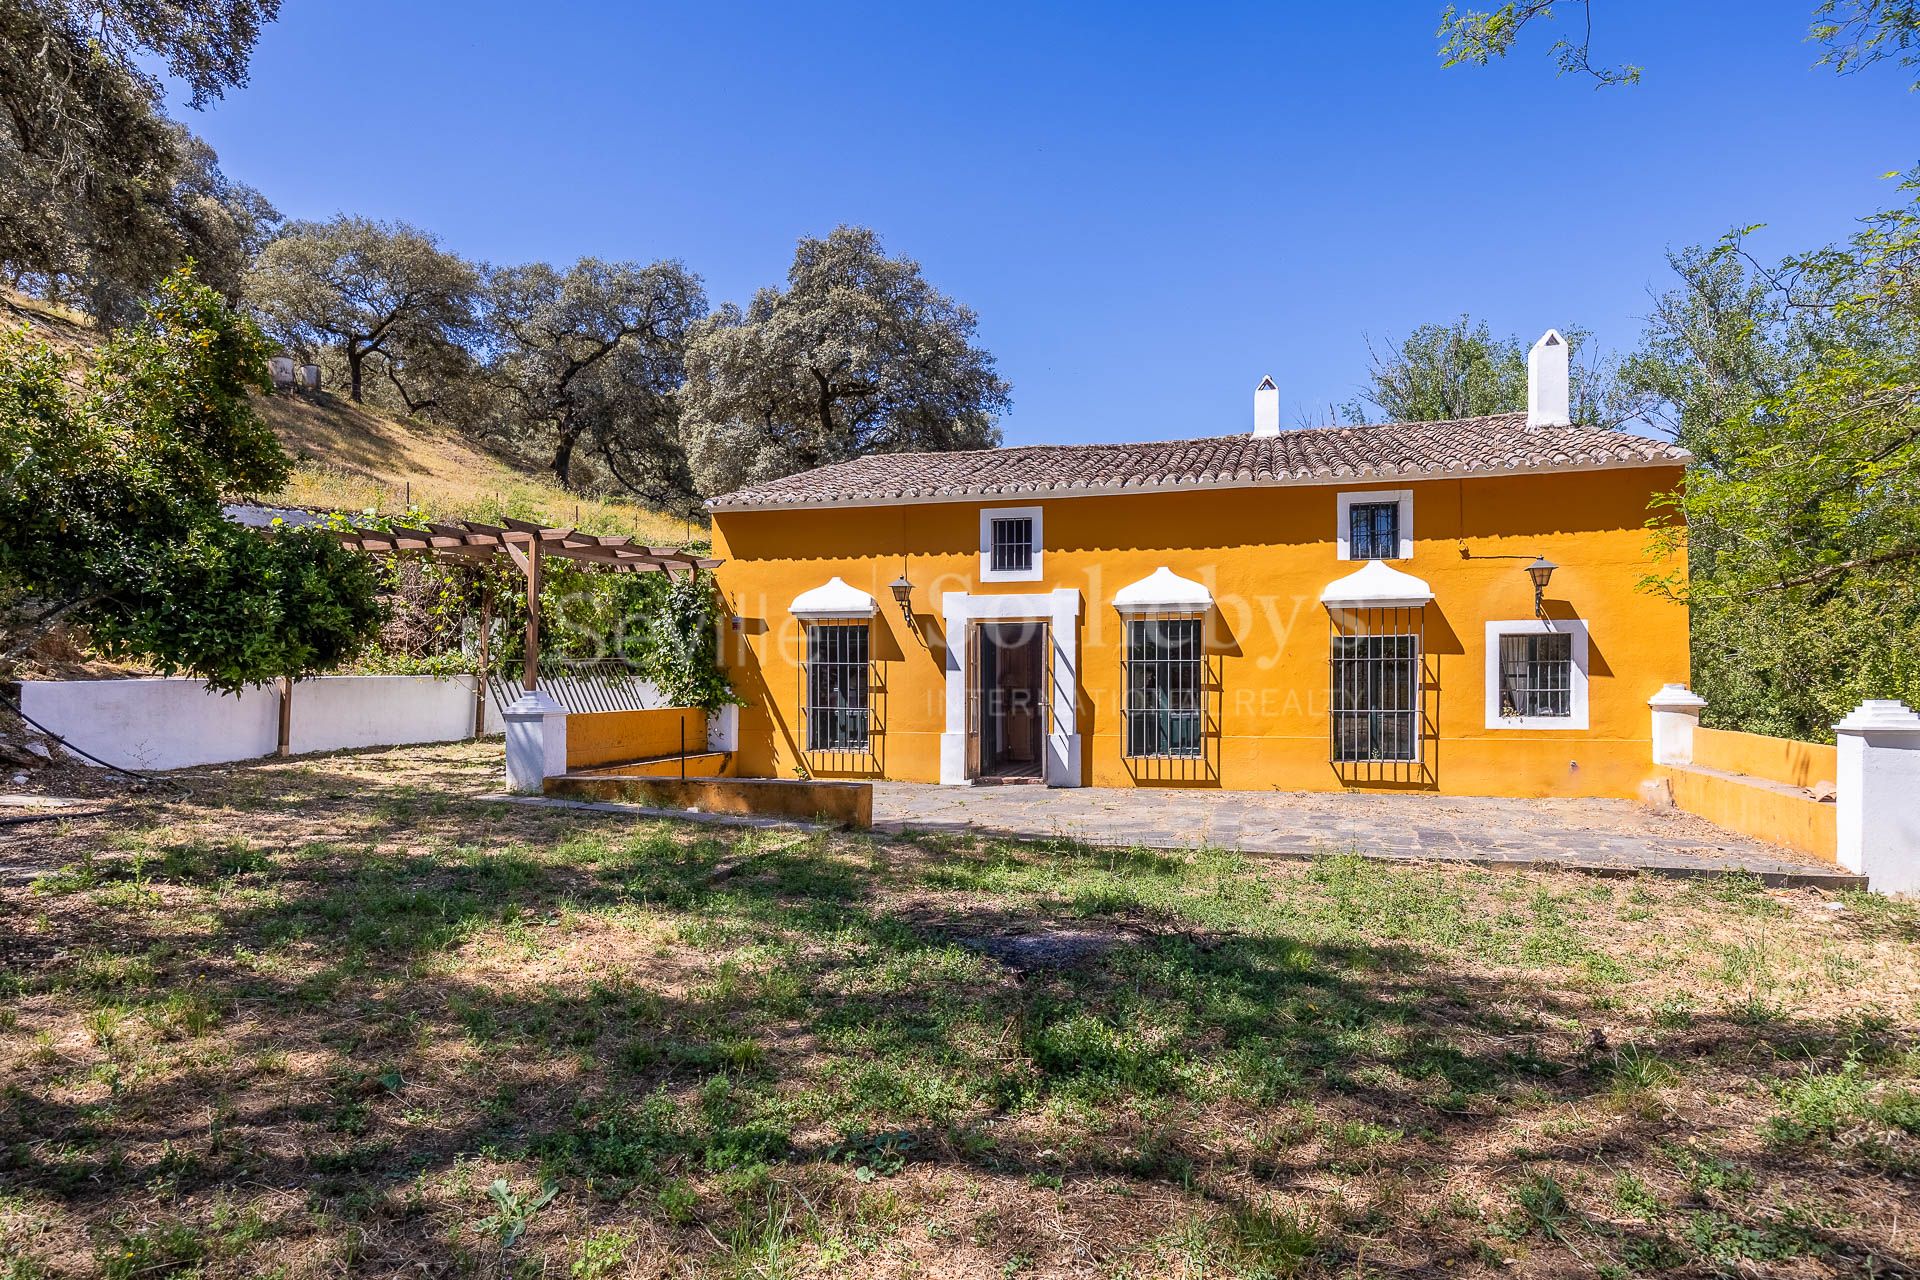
point(110, 505)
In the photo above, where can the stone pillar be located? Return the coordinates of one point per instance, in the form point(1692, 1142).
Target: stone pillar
point(1676, 714)
point(1878, 798)
point(536, 741)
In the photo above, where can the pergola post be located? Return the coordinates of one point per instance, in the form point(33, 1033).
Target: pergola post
point(483, 661)
point(536, 724)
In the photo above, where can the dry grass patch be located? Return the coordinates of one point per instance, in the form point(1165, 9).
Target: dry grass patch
point(333, 1016)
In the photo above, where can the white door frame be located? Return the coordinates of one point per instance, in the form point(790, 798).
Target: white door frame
point(1061, 608)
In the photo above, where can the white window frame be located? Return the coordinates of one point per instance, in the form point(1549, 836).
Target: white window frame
point(987, 516)
point(1345, 503)
point(1577, 716)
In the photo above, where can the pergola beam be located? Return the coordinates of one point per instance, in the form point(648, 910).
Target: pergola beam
point(527, 545)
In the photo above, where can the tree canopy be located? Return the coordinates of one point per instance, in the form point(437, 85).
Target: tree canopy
point(100, 194)
point(381, 291)
point(858, 354)
point(110, 505)
point(1853, 35)
point(592, 358)
point(1461, 370)
point(1796, 385)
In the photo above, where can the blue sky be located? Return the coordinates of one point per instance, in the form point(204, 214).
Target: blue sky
point(1149, 206)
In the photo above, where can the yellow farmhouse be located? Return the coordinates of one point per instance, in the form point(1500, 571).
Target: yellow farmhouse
point(1441, 606)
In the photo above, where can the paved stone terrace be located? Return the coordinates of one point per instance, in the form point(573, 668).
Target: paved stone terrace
point(1597, 835)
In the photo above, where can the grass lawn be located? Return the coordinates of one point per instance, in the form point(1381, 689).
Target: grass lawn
point(332, 1017)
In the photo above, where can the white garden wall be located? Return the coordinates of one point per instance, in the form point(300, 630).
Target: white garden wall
point(174, 723)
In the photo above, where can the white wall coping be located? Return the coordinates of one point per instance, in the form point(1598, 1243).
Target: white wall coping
point(1676, 697)
point(1880, 715)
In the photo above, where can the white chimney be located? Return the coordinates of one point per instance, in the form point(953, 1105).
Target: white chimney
point(1548, 395)
point(1266, 408)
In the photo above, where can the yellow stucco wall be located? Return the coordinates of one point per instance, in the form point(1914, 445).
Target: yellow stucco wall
point(615, 737)
point(1265, 554)
point(1798, 764)
point(1775, 812)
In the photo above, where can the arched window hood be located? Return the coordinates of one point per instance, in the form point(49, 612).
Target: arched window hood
point(834, 601)
point(1376, 585)
point(1163, 591)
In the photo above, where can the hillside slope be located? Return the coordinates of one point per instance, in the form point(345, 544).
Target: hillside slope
point(353, 458)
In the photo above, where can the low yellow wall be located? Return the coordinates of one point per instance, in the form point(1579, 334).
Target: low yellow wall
point(1765, 810)
point(704, 764)
point(1798, 764)
point(845, 803)
point(616, 737)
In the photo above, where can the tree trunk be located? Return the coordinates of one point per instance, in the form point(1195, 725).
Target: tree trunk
point(562, 462)
point(354, 357)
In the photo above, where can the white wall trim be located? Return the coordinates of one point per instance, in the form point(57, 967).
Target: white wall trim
point(1061, 609)
point(987, 516)
point(1344, 504)
point(1577, 703)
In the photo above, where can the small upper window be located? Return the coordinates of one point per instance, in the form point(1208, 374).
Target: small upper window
point(1374, 531)
point(1011, 544)
point(1375, 524)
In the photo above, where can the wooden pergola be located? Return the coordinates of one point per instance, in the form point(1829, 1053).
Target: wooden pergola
point(526, 544)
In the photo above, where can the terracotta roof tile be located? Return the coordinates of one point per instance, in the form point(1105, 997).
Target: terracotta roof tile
point(1503, 444)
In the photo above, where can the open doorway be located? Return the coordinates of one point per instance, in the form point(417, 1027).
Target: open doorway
point(1007, 720)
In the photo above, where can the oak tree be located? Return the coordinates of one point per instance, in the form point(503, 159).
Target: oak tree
point(858, 354)
point(592, 358)
point(100, 194)
point(367, 289)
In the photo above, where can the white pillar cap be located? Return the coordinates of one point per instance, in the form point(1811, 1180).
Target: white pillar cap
point(533, 702)
point(1676, 697)
point(1880, 715)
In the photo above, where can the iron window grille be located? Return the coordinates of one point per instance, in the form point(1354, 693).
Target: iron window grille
point(1374, 531)
point(1012, 545)
point(1165, 687)
point(1536, 675)
point(1376, 709)
point(837, 688)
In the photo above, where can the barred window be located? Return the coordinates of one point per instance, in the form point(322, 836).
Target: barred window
point(1012, 544)
point(1163, 687)
point(838, 687)
point(1374, 531)
point(1376, 697)
point(1536, 675)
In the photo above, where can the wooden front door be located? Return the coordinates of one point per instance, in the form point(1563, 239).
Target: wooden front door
point(1007, 700)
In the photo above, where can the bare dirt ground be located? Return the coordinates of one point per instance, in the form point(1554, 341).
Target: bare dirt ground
point(333, 1016)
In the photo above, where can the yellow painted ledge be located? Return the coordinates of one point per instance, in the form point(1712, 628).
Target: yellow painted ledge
point(1759, 807)
point(842, 803)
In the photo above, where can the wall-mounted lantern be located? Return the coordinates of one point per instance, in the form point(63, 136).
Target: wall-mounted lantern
point(1541, 571)
point(903, 596)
